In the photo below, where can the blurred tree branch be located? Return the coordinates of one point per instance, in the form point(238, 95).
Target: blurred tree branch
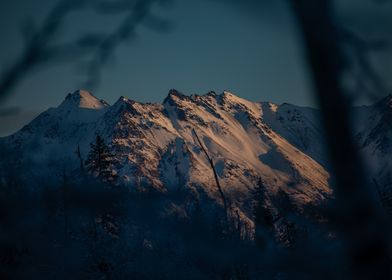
point(367, 79)
point(41, 48)
point(357, 215)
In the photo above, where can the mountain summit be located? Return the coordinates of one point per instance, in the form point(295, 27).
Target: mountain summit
point(83, 99)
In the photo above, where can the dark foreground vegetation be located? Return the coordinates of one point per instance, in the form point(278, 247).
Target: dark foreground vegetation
point(89, 226)
point(88, 229)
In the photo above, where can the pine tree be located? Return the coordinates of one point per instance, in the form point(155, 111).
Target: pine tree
point(263, 216)
point(284, 204)
point(290, 231)
point(100, 161)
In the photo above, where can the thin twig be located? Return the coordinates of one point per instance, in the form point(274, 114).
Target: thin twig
point(211, 162)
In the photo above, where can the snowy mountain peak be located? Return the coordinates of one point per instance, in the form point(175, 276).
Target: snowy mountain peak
point(83, 99)
point(230, 101)
point(122, 101)
point(174, 96)
point(123, 106)
point(174, 92)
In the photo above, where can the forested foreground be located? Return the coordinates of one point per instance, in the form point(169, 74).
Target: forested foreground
point(89, 229)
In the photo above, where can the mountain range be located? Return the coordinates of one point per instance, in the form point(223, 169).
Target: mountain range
point(156, 146)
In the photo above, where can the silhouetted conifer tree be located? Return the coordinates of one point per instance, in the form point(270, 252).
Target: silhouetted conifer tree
point(100, 161)
point(263, 216)
point(289, 231)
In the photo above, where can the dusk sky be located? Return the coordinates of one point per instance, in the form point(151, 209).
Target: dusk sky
point(248, 48)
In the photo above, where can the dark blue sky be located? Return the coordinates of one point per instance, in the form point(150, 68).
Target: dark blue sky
point(246, 47)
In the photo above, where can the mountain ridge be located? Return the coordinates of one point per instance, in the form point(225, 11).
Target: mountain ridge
point(155, 146)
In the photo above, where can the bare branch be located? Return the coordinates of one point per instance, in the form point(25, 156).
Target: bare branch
point(95, 48)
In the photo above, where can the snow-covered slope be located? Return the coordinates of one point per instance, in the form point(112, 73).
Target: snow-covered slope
point(155, 145)
point(372, 129)
point(300, 126)
point(374, 136)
